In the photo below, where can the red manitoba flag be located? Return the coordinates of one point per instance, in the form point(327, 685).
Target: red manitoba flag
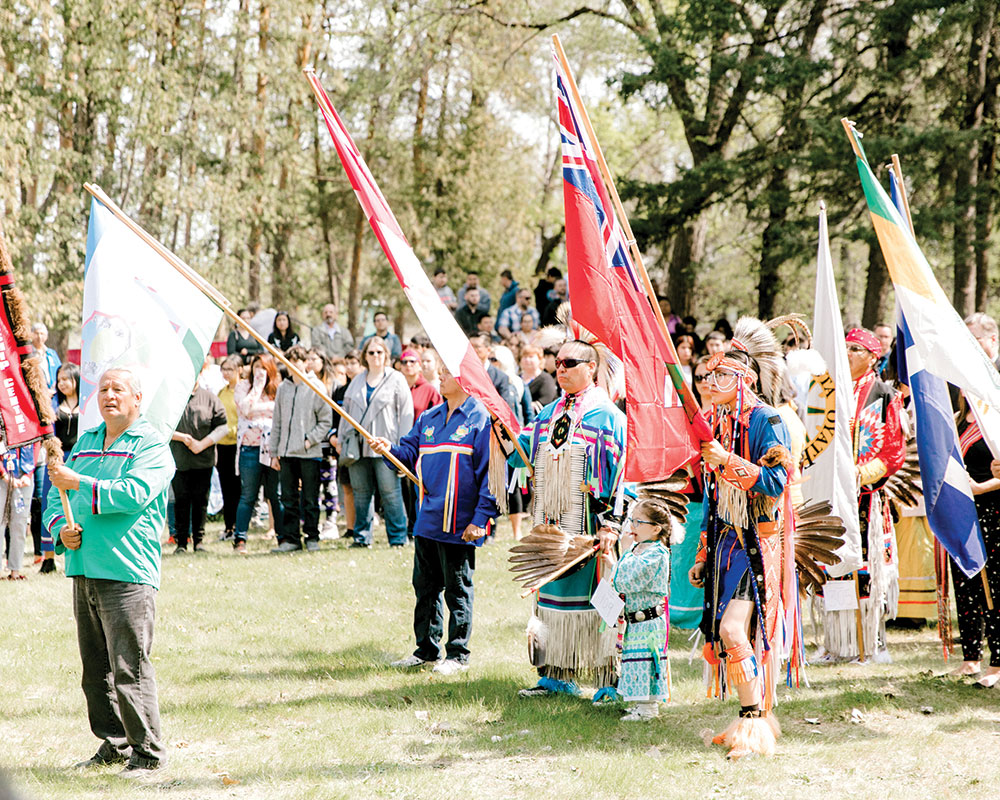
point(18, 415)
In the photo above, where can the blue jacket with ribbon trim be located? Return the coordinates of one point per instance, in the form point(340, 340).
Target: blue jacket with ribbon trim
point(451, 457)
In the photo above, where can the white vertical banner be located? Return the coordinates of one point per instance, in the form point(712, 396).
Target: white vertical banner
point(828, 459)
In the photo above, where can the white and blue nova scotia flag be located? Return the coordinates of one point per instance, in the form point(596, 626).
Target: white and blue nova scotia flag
point(951, 511)
point(140, 313)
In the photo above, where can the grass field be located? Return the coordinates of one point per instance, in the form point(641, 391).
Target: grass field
point(274, 683)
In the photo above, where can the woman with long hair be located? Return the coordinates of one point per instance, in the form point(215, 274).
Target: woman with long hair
point(320, 365)
point(283, 335)
point(255, 409)
point(976, 617)
point(67, 405)
point(226, 449)
point(345, 493)
point(685, 345)
point(380, 400)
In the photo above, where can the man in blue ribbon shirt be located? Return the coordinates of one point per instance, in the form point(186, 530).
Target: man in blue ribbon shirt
point(449, 449)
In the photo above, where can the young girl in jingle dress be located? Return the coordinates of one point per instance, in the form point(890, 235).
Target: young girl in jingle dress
point(642, 576)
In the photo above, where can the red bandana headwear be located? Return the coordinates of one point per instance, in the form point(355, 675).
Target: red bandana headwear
point(866, 339)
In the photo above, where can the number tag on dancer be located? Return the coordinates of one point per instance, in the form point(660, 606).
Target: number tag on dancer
point(839, 596)
point(608, 602)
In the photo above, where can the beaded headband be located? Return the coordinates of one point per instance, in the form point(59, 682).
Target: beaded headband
point(723, 360)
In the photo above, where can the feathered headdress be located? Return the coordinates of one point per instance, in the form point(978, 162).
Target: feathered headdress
point(797, 325)
point(610, 372)
point(757, 340)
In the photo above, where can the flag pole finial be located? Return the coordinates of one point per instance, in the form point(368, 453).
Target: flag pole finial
point(853, 134)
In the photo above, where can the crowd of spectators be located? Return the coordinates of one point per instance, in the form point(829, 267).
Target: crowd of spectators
point(283, 459)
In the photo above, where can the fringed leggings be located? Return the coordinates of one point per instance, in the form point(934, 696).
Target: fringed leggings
point(974, 618)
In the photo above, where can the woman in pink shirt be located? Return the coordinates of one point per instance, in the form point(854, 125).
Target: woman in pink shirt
point(255, 408)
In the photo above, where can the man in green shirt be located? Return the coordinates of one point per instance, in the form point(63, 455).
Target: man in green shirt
point(116, 477)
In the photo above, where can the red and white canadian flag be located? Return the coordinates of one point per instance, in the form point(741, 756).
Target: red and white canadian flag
point(448, 338)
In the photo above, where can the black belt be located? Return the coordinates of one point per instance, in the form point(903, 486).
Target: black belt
point(645, 614)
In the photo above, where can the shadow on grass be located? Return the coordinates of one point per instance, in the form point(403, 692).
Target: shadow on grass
point(306, 665)
point(482, 718)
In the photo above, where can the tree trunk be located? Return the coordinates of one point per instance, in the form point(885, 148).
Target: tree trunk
point(353, 290)
point(325, 223)
point(968, 157)
point(549, 244)
point(259, 152)
point(771, 258)
point(688, 251)
point(847, 288)
point(986, 196)
point(963, 254)
point(875, 291)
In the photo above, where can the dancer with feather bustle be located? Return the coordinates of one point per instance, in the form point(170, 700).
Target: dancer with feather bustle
point(743, 555)
point(577, 449)
point(879, 452)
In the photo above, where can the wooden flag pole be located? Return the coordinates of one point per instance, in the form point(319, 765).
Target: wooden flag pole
point(849, 127)
point(219, 299)
point(898, 171)
point(687, 397)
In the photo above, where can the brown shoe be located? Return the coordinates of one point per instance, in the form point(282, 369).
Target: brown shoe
point(240, 547)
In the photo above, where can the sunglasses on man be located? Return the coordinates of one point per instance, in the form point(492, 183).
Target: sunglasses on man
point(569, 363)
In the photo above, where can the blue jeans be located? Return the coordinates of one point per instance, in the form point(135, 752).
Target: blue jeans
point(253, 475)
point(442, 567)
point(365, 473)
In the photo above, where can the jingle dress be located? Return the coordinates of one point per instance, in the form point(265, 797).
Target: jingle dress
point(643, 577)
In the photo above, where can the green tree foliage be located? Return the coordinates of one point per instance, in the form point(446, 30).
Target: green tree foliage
point(757, 89)
point(719, 117)
point(195, 117)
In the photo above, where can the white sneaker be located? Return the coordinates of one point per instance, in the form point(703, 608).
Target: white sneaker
point(329, 530)
point(450, 666)
point(409, 662)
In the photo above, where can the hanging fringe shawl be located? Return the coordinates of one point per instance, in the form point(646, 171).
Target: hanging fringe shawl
point(733, 507)
point(561, 489)
point(577, 647)
point(496, 475)
point(841, 631)
point(565, 634)
point(840, 627)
